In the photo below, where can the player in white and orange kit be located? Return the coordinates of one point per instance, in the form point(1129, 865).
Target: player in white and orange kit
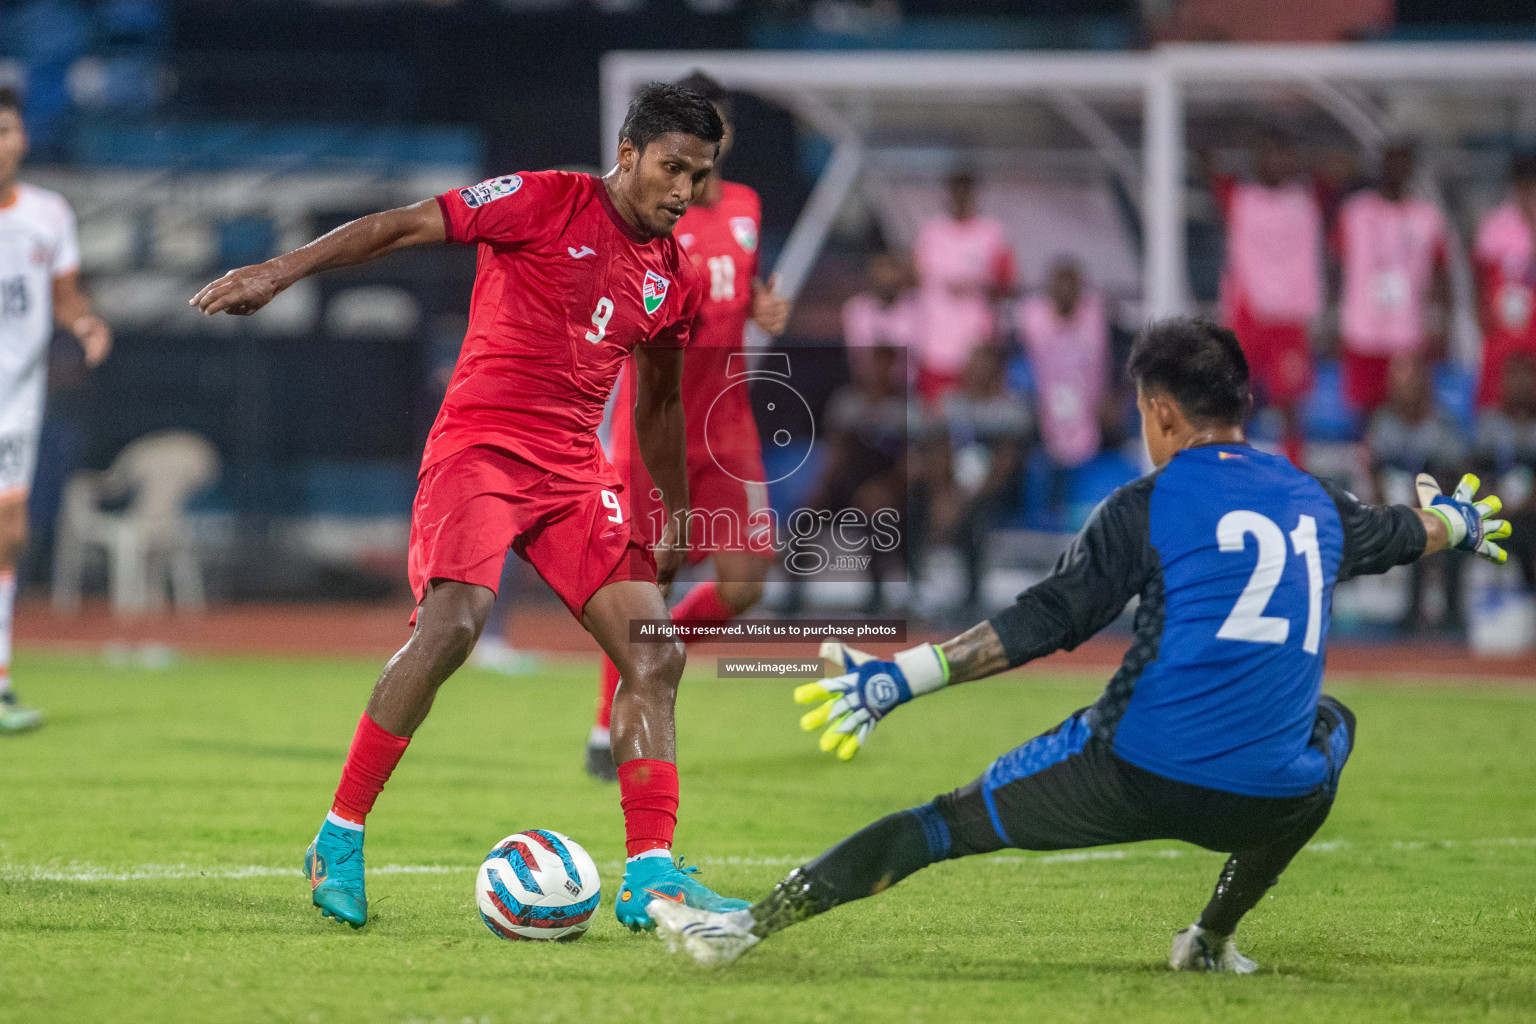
point(726, 483)
point(39, 289)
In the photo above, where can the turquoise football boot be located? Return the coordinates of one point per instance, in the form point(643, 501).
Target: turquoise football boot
point(334, 864)
point(657, 878)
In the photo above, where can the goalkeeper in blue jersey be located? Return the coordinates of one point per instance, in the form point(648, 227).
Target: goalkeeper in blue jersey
point(1215, 729)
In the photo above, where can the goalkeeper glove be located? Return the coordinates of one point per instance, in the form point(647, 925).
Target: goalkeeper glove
point(866, 692)
point(1466, 521)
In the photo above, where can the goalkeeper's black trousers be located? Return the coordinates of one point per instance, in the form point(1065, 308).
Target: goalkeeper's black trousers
point(1068, 789)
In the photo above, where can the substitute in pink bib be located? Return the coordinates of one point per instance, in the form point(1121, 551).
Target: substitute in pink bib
point(1067, 338)
point(1392, 253)
point(964, 265)
point(1272, 284)
point(1505, 259)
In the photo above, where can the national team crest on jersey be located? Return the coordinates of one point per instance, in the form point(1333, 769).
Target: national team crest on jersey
point(654, 291)
point(744, 230)
point(493, 189)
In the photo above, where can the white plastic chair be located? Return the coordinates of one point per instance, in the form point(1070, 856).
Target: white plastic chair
point(148, 542)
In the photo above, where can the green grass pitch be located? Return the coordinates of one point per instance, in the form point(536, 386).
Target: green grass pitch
point(151, 836)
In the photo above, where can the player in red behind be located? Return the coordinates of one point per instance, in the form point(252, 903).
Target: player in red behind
point(575, 274)
point(725, 463)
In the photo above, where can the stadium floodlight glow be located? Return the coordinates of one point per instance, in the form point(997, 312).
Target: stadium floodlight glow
point(835, 92)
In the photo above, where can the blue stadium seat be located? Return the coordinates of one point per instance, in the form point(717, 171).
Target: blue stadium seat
point(1326, 415)
point(356, 489)
point(797, 487)
point(295, 147)
point(1456, 392)
point(1019, 376)
point(1088, 485)
point(246, 240)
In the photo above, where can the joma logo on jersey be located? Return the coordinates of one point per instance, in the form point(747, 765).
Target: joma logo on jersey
point(653, 291)
point(744, 230)
point(489, 191)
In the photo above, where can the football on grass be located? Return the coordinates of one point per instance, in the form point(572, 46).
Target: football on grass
point(537, 885)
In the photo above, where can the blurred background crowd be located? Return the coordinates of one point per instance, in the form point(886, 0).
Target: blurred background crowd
point(961, 339)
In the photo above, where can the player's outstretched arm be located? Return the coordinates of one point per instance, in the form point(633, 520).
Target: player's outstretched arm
point(242, 292)
point(869, 689)
point(1378, 537)
point(1459, 522)
point(1107, 563)
point(663, 447)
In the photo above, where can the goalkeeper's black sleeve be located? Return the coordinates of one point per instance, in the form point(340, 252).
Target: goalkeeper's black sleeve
point(1107, 564)
point(1376, 537)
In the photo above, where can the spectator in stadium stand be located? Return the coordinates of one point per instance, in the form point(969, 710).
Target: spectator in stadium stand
point(969, 473)
point(1407, 436)
point(866, 435)
point(1504, 449)
point(1272, 284)
point(1066, 336)
point(884, 313)
point(964, 267)
point(1505, 260)
point(1395, 282)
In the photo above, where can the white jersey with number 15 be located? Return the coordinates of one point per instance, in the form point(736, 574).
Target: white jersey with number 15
point(37, 244)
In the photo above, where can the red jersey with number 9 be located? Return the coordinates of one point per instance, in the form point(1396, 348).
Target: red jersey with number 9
point(564, 290)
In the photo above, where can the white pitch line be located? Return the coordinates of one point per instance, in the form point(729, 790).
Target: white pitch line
point(166, 872)
point(171, 872)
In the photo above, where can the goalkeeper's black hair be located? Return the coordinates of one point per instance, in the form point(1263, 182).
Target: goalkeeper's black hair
point(661, 108)
point(711, 90)
point(1198, 364)
point(10, 98)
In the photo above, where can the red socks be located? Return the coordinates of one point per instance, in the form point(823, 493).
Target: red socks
point(371, 759)
point(648, 788)
point(703, 604)
point(648, 795)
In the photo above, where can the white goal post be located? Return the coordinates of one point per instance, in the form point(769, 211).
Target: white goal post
point(837, 94)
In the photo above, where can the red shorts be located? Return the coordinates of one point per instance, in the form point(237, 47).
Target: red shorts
point(1279, 356)
point(933, 385)
point(1366, 379)
point(727, 503)
point(476, 504)
point(1497, 348)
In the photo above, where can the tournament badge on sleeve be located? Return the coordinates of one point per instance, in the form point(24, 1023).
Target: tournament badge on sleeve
point(654, 291)
point(744, 230)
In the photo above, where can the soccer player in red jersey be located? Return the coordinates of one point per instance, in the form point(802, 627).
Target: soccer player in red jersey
point(575, 274)
point(725, 463)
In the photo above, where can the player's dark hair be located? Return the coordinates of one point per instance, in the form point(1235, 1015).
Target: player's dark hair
point(662, 108)
point(711, 90)
point(1196, 363)
point(10, 99)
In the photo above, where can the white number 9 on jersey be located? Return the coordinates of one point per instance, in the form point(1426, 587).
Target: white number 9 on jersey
point(600, 317)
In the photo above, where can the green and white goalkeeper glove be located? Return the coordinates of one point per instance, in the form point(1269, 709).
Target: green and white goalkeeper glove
point(1466, 521)
point(866, 692)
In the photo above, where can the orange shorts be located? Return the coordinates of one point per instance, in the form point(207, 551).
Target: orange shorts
point(475, 505)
